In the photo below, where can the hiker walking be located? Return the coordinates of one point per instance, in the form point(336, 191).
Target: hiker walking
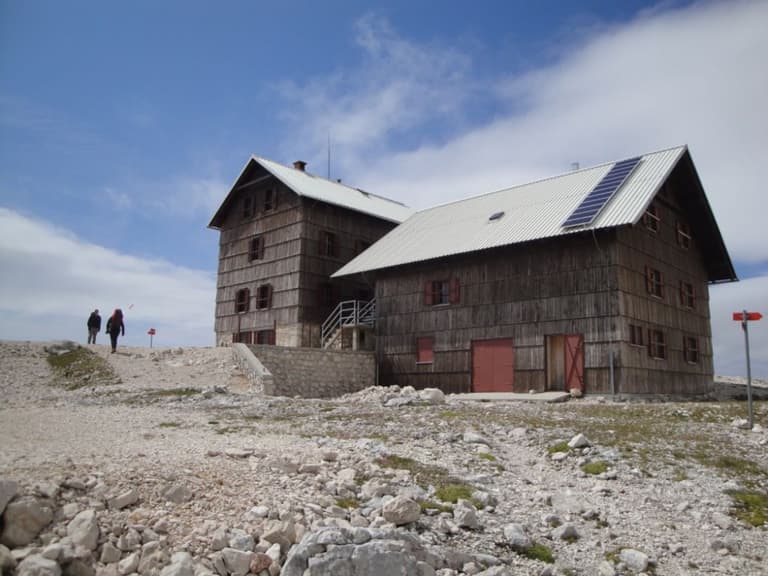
point(94, 326)
point(115, 327)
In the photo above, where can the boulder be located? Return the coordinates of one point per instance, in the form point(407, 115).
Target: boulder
point(23, 520)
point(177, 493)
point(401, 510)
point(516, 537)
point(634, 559)
point(238, 562)
point(579, 441)
point(36, 565)
point(432, 395)
point(83, 530)
point(181, 565)
point(123, 500)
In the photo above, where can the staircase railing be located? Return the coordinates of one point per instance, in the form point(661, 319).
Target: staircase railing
point(348, 313)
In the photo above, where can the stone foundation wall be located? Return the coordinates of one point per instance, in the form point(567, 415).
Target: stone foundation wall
point(313, 372)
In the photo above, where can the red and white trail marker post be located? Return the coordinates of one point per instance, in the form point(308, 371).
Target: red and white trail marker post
point(745, 318)
point(151, 333)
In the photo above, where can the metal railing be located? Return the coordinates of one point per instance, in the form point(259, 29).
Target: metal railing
point(347, 313)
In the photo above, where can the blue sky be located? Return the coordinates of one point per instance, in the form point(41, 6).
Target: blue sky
point(122, 125)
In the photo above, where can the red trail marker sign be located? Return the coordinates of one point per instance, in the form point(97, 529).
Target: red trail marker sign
point(745, 318)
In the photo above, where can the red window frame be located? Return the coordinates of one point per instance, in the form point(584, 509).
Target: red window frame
point(425, 353)
point(442, 292)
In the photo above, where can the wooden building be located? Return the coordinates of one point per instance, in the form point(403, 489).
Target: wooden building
point(283, 232)
point(595, 280)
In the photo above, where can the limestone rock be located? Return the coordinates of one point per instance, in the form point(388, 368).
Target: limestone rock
point(128, 564)
point(23, 520)
point(634, 559)
point(516, 537)
point(83, 529)
point(181, 565)
point(7, 561)
point(465, 515)
point(401, 510)
point(109, 554)
point(432, 395)
point(178, 494)
point(123, 500)
point(579, 441)
point(36, 565)
point(238, 562)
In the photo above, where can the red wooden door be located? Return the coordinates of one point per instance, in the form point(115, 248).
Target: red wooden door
point(493, 365)
point(574, 362)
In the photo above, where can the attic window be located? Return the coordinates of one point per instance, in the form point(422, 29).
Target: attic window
point(496, 216)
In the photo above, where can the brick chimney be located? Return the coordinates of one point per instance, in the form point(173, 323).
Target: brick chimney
point(300, 165)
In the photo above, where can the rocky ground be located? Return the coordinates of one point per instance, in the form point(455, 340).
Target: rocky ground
point(161, 462)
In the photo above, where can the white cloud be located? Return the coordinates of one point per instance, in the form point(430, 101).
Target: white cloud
point(728, 337)
point(52, 280)
point(694, 75)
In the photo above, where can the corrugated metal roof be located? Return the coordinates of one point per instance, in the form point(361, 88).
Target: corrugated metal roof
point(531, 211)
point(306, 184)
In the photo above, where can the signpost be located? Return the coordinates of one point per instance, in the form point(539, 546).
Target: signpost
point(151, 333)
point(745, 318)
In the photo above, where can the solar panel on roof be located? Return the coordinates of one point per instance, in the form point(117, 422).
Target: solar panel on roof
point(590, 207)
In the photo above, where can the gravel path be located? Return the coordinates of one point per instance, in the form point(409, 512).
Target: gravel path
point(186, 418)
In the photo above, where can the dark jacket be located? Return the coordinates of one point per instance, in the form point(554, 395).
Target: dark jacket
point(94, 321)
point(115, 327)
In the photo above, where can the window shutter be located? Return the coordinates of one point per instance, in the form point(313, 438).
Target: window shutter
point(428, 293)
point(455, 291)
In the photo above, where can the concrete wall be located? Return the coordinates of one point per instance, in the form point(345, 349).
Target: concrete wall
point(313, 372)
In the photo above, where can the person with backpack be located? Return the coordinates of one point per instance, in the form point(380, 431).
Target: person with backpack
point(115, 327)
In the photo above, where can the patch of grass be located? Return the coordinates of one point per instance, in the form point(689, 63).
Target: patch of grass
point(423, 474)
point(680, 475)
point(559, 447)
point(750, 506)
point(430, 505)
point(169, 424)
point(449, 414)
point(594, 468)
point(486, 456)
point(538, 551)
point(80, 368)
point(348, 503)
point(453, 492)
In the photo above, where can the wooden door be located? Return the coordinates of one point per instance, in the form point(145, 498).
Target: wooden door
point(555, 362)
point(574, 362)
point(493, 365)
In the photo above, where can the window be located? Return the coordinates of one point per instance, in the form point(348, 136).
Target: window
point(242, 337)
point(651, 219)
point(327, 245)
point(264, 296)
point(329, 294)
point(265, 337)
point(256, 248)
point(657, 348)
point(691, 349)
point(654, 282)
point(424, 352)
point(636, 335)
point(439, 292)
point(248, 206)
point(242, 300)
point(683, 235)
point(270, 199)
point(687, 295)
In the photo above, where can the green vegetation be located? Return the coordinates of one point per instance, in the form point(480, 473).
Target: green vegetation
point(80, 368)
point(559, 447)
point(750, 506)
point(424, 474)
point(348, 503)
point(453, 492)
point(485, 456)
point(539, 552)
point(449, 414)
point(594, 468)
point(169, 424)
